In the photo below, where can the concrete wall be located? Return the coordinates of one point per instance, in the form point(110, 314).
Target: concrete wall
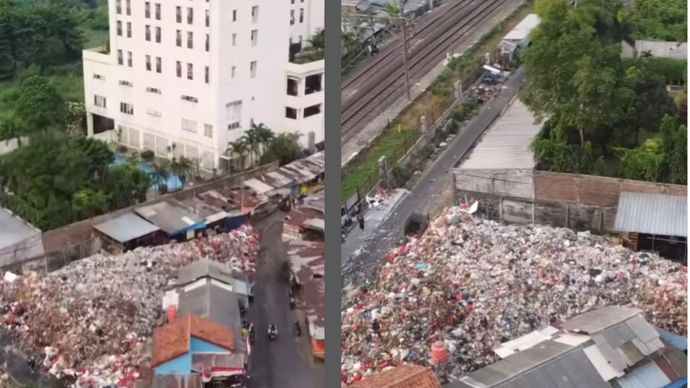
point(579, 202)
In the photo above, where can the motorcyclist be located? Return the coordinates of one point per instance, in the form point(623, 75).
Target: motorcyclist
point(272, 330)
point(298, 329)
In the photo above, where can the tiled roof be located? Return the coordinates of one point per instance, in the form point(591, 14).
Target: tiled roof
point(405, 376)
point(173, 340)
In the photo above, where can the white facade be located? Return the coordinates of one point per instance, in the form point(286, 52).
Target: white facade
point(181, 96)
point(306, 19)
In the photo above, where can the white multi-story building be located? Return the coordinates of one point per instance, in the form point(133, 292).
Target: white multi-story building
point(186, 77)
point(306, 19)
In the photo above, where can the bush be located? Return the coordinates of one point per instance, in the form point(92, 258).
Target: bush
point(401, 174)
point(147, 155)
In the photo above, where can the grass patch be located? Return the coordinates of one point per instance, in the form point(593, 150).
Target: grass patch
point(432, 103)
point(363, 172)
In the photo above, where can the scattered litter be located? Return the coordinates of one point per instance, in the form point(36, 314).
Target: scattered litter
point(93, 318)
point(474, 283)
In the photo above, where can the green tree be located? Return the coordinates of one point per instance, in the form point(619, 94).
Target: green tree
point(182, 167)
point(675, 139)
point(37, 106)
point(317, 41)
point(285, 148)
point(89, 203)
point(644, 162)
point(238, 148)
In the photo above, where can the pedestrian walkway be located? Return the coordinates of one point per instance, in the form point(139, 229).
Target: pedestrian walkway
point(359, 268)
point(373, 218)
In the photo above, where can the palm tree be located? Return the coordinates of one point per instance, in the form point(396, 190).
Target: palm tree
point(159, 176)
point(395, 9)
point(182, 168)
point(251, 137)
point(264, 134)
point(239, 148)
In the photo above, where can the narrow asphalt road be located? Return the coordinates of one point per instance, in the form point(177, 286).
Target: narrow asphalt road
point(360, 269)
point(287, 361)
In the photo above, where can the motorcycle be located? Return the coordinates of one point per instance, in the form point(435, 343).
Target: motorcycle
point(298, 329)
point(272, 332)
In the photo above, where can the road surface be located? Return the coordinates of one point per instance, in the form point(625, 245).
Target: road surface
point(286, 362)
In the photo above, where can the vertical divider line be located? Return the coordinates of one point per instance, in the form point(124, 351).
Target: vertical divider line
point(333, 188)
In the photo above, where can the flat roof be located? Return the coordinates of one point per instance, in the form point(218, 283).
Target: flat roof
point(126, 227)
point(522, 29)
point(170, 218)
point(596, 320)
point(14, 229)
point(506, 144)
point(659, 214)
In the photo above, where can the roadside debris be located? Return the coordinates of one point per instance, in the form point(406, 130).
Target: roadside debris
point(474, 283)
point(92, 318)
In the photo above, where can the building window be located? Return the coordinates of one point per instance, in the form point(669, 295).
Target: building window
point(232, 71)
point(190, 15)
point(148, 33)
point(234, 15)
point(252, 69)
point(129, 58)
point(128, 5)
point(179, 38)
point(301, 15)
point(255, 14)
point(129, 29)
point(312, 110)
point(98, 76)
point(158, 11)
point(207, 44)
point(148, 63)
point(118, 6)
point(292, 16)
point(312, 84)
point(207, 74)
point(119, 28)
point(126, 108)
point(125, 83)
point(178, 14)
point(234, 39)
point(153, 90)
point(290, 113)
point(190, 71)
point(208, 18)
point(292, 85)
point(159, 65)
point(99, 101)
point(190, 39)
point(179, 69)
point(189, 125)
point(190, 99)
point(119, 57)
point(208, 130)
point(254, 37)
point(233, 114)
point(147, 10)
point(158, 34)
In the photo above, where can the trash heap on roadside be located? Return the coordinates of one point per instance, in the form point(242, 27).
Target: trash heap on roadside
point(474, 284)
point(92, 319)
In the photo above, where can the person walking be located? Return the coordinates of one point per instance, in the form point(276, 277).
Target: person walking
point(360, 219)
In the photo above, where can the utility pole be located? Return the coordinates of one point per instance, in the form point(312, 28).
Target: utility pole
point(406, 69)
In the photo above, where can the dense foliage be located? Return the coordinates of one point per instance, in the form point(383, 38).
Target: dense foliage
point(661, 19)
point(599, 107)
point(58, 179)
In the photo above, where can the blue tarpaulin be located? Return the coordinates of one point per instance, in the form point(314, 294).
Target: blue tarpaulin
point(682, 383)
point(677, 341)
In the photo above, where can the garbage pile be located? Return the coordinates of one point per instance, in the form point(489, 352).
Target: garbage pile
point(474, 284)
point(92, 319)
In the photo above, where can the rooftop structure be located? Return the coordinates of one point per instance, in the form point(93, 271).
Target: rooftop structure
point(19, 240)
point(657, 214)
point(171, 218)
point(404, 376)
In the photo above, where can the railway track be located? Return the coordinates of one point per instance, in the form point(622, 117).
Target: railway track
point(379, 83)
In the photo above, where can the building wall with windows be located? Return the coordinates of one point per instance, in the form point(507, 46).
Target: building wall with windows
point(306, 19)
point(185, 77)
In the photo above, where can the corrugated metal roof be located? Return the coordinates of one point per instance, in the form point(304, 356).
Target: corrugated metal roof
point(204, 268)
point(506, 144)
point(659, 214)
point(548, 364)
point(522, 30)
point(126, 227)
point(170, 217)
point(648, 375)
point(218, 360)
point(215, 303)
point(599, 319)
